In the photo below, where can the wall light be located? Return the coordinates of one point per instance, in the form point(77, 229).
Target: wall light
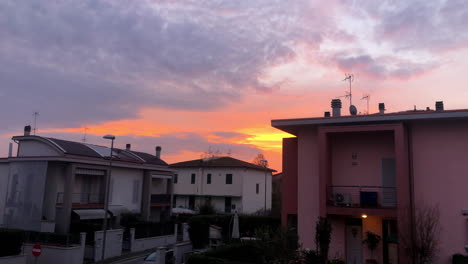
point(364, 216)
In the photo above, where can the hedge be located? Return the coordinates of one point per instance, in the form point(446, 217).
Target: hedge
point(202, 259)
point(459, 259)
point(11, 241)
point(199, 226)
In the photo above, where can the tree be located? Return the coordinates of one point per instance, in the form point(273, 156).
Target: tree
point(423, 243)
point(323, 231)
point(260, 160)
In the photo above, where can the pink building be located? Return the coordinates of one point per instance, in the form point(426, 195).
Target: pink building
point(375, 173)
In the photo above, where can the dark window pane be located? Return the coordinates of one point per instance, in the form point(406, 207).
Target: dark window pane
point(208, 178)
point(257, 188)
point(176, 178)
point(192, 180)
point(228, 178)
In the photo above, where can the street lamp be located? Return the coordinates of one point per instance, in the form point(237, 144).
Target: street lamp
point(265, 162)
point(106, 197)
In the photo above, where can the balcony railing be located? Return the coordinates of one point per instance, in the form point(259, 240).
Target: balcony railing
point(161, 199)
point(361, 196)
point(83, 198)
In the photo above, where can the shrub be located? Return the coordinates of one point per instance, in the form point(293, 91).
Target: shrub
point(199, 226)
point(248, 252)
point(323, 231)
point(11, 241)
point(459, 259)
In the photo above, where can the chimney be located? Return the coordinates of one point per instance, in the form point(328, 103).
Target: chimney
point(10, 150)
point(439, 106)
point(158, 152)
point(128, 146)
point(381, 108)
point(27, 130)
point(336, 107)
point(326, 114)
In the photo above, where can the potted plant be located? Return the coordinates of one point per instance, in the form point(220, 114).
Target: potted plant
point(372, 241)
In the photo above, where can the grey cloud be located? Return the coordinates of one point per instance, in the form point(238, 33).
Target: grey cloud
point(382, 67)
point(103, 60)
point(411, 25)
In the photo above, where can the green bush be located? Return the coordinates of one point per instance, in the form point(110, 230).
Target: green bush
point(202, 259)
point(459, 259)
point(11, 241)
point(247, 252)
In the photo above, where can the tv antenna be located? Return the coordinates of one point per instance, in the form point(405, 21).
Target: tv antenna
point(367, 98)
point(84, 135)
point(35, 114)
point(350, 79)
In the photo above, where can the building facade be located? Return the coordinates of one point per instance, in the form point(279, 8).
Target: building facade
point(52, 183)
point(229, 184)
point(377, 173)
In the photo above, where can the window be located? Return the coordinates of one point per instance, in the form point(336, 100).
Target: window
point(192, 179)
point(228, 178)
point(227, 204)
point(208, 178)
point(257, 188)
point(176, 178)
point(136, 191)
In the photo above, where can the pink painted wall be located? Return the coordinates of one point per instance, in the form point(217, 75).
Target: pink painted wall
point(338, 240)
point(440, 151)
point(308, 186)
point(370, 148)
point(289, 182)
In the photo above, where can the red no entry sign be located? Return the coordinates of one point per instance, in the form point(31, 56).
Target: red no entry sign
point(36, 250)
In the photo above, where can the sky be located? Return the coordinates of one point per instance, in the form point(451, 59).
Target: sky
point(208, 76)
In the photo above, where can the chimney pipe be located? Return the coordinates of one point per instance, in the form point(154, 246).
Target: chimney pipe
point(336, 107)
point(10, 150)
point(439, 106)
point(158, 152)
point(27, 130)
point(326, 114)
point(381, 108)
point(128, 146)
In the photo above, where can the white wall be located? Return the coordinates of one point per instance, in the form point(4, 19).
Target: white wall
point(4, 175)
point(122, 188)
point(243, 185)
point(218, 186)
point(54, 185)
point(252, 201)
point(35, 148)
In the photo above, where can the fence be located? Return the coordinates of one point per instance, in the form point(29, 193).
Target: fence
point(361, 196)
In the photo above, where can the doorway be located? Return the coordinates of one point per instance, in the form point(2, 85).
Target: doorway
point(353, 241)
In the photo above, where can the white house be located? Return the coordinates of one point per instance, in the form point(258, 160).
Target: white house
point(228, 184)
point(52, 183)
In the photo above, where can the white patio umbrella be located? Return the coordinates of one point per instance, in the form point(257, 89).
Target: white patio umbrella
point(235, 227)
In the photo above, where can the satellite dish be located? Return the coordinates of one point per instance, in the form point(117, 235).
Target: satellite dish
point(353, 110)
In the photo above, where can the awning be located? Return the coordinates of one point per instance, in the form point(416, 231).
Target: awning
point(117, 210)
point(89, 214)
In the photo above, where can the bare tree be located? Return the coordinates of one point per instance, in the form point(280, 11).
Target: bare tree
point(260, 160)
point(423, 242)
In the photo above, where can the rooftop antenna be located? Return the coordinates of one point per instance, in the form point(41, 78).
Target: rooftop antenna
point(35, 114)
point(367, 98)
point(350, 79)
point(84, 136)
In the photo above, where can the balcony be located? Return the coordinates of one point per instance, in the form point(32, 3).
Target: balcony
point(83, 200)
point(160, 200)
point(361, 196)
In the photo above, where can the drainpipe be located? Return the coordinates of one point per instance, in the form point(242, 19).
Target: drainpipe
point(411, 182)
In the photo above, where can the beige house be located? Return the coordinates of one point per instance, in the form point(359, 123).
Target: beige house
point(229, 184)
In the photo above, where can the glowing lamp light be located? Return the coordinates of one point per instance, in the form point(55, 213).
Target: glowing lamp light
point(364, 216)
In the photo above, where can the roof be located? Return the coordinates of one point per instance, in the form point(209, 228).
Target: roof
point(292, 125)
point(96, 151)
point(219, 162)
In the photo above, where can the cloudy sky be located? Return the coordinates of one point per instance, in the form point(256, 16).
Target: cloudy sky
point(208, 75)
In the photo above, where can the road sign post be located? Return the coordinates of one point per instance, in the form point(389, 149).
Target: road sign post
point(36, 251)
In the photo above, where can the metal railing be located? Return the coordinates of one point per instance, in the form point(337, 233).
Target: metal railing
point(361, 196)
point(82, 198)
point(160, 198)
